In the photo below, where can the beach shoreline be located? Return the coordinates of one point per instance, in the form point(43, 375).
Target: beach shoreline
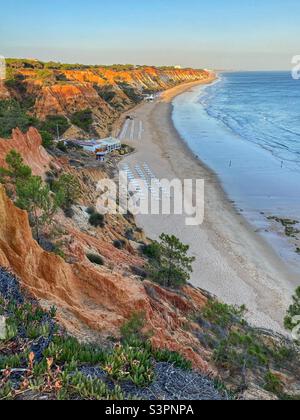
point(232, 261)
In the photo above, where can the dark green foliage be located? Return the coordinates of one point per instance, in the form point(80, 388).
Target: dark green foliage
point(129, 363)
point(62, 147)
point(16, 170)
point(83, 119)
point(32, 194)
point(172, 267)
point(95, 259)
point(78, 386)
point(132, 329)
point(47, 139)
point(12, 115)
point(97, 220)
point(106, 93)
point(130, 92)
point(56, 125)
point(66, 349)
point(36, 198)
point(68, 186)
point(242, 350)
point(152, 251)
point(119, 244)
point(174, 358)
point(273, 384)
point(294, 311)
point(222, 314)
point(55, 374)
point(91, 210)
point(69, 212)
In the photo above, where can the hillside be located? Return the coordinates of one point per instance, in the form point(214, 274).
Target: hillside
point(96, 278)
point(89, 98)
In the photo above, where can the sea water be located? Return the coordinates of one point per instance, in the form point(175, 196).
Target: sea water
point(246, 128)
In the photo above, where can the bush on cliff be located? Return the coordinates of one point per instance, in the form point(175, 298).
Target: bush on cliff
point(69, 187)
point(56, 125)
point(95, 259)
point(83, 119)
point(171, 265)
point(47, 139)
point(16, 170)
point(292, 320)
point(36, 198)
point(97, 220)
point(12, 115)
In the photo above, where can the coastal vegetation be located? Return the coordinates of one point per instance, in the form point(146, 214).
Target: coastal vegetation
point(13, 115)
point(83, 119)
point(39, 360)
point(68, 187)
point(55, 96)
point(41, 200)
point(97, 219)
point(242, 352)
point(169, 263)
point(292, 320)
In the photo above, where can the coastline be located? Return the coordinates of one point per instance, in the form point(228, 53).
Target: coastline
point(233, 262)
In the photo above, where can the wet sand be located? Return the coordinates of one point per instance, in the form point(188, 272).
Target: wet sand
point(232, 261)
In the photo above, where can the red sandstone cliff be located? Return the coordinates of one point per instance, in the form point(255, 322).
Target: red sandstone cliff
point(97, 297)
point(106, 92)
point(29, 145)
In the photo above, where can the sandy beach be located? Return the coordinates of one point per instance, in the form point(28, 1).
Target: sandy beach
point(232, 261)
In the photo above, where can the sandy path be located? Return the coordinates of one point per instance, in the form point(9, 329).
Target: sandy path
point(232, 261)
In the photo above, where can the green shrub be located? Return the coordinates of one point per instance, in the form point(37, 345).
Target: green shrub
point(133, 364)
point(174, 266)
point(152, 251)
point(97, 220)
point(66, 349)
point(61, 146)
point(95, 259)
point(91, 210)
point(56, 125)
point(47, 139)
point(222, 314)
point(12, 115)
point(293, 312)
point(83, 119)
point(68, 186)
point(273, 384)
point(172, 357)
point(119, 244)
point(132, 328)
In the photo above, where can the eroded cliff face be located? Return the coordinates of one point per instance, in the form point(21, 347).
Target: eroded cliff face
point(106, 92)
point(99, 299)
point(29, 145)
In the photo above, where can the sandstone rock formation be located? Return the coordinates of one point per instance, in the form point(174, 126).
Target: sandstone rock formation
point(106, 92)
point(29, 145)
point(97, 297)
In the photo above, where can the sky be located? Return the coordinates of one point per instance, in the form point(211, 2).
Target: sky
point(219, 34)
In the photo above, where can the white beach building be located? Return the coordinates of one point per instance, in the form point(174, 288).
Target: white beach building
point(100, 146)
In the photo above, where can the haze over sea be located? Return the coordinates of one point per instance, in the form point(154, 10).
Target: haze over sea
point(246, 128)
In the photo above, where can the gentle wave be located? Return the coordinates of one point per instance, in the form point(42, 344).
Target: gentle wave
point(267, 117)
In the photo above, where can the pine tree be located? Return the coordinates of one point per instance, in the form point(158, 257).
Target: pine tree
point(173, 266)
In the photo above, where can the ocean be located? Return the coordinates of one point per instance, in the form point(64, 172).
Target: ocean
point(246, 128)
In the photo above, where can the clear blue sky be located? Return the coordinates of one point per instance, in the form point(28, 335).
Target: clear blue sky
point(241, 34)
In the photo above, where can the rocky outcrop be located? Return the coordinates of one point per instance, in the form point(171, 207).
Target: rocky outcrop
point(97, 297)
point(106, 92)
point(29, 145)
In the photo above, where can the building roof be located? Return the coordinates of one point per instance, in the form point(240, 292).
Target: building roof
point(110, 140)
point(97, 142)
